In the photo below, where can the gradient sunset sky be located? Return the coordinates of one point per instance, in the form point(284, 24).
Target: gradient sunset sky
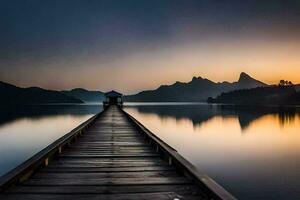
point(133, 45)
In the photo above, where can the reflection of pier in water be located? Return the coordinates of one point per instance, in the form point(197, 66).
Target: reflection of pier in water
point(199, 114)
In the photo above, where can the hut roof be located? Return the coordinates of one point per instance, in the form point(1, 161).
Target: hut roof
point(113, 94)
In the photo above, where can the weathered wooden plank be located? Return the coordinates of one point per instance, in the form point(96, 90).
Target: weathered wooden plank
point(116, 139)
point(111, 137)
point(136, 196)
point(90, 133)
point(110, 147)
point(106, 151)
point(110, 181)
point(108, 160)
point(105, 165)
point(113, 153)
point(43, 175)
point(110, 155)
point(108, 169)
point(140, 150)
point(179, 189)
point(109, 151)
point(117, 160)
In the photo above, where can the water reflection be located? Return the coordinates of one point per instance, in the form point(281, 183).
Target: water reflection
point(199, 114)
point(9, 114)
point(254, 152)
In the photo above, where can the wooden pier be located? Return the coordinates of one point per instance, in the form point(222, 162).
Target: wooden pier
point(110, 156)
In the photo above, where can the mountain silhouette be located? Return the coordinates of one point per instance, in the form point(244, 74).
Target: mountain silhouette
point(271, 95)
point(198, 89)
point(85, 95)
point(13, 95)
point(245, 82)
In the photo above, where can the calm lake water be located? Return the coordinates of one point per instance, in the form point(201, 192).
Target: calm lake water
point(253, 152)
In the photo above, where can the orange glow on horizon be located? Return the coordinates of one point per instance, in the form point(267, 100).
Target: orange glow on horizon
point(149, 68)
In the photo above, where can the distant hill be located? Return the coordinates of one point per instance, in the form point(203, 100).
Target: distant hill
point(199, 89)
point(273, 95)
point(13, 95)
point(85, 95)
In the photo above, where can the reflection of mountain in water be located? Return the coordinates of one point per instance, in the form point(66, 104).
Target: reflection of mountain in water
point(12, 113)
point(202, 113)
point(196, 113)
point(288, 117)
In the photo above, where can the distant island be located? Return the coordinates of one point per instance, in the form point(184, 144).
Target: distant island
point(197, 90)
point(11, 95)
point(271, 95)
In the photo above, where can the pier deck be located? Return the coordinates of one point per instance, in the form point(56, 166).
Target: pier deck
point(111, 157)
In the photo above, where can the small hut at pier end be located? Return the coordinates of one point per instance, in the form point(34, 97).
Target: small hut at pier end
point(113, 98)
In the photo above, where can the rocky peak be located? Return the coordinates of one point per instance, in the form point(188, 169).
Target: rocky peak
point(245, 77)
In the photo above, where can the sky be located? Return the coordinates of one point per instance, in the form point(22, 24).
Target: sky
point(134, 45)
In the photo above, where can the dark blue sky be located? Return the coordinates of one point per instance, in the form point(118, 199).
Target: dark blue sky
point(62, 39)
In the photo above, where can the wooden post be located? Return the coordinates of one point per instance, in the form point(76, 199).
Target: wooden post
point(170, 160)
point(46, 162)
point(59, 149)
